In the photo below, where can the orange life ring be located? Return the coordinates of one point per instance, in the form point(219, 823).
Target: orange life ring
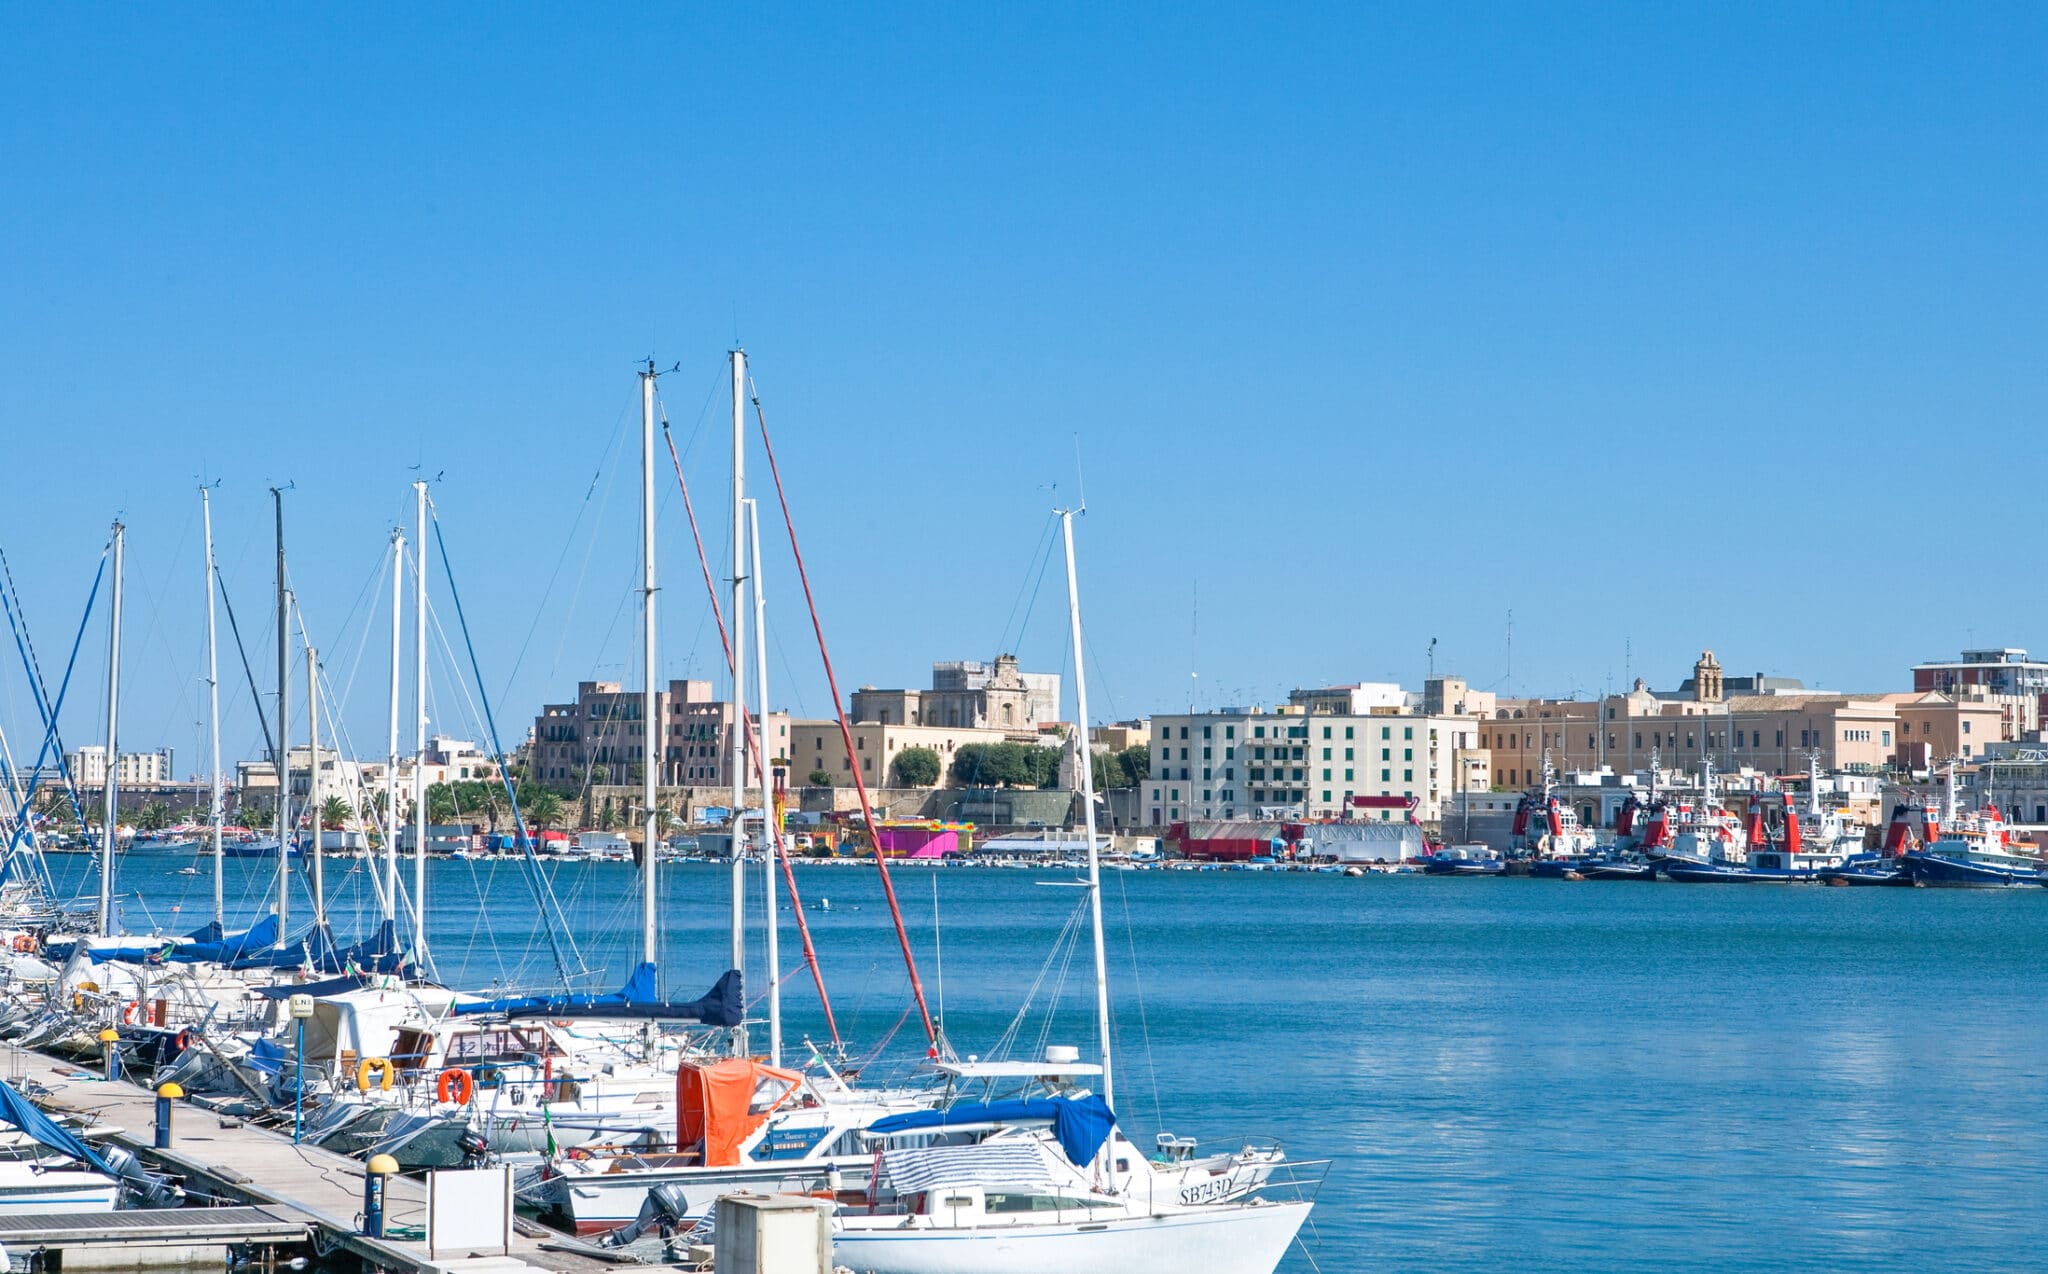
point(24, 943)
point(455, 1085)
point(128, 1013)
point(184, 1039)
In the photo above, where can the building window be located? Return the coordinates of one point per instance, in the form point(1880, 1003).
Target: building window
point(1229, 732)
point(1966, 727)
point(1229, 754)
point(1407, 731)
point(1258, 732)
point(1326, 798)
point(1326, 734)
point(1887, 738)
point(1407, 776)
point(1386, 732)
point(1407, 754)
point(1347, 776)
point(1781, 740)
point(1258, 754)
point(1205, 777)
point(1326, 754)
point(1386, 776)
point(1347, 754)
point(1205, 734)
point(1205, 754)
point(1347, 731)
point(1326, 778)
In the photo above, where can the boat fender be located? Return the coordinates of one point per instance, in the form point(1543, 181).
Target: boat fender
point(455, 1085)
point(382, 1068)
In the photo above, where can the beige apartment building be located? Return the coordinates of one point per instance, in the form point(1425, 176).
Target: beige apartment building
point(1775, 731)
point(598, 738)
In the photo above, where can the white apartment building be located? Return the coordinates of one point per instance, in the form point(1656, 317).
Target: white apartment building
point(88, 766)
point(1242, 763)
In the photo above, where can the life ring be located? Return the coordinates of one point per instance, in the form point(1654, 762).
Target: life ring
point(184, 1039)
point(128, 1013)
point(455, 1085)
point(384, 1074)
point(24, 943)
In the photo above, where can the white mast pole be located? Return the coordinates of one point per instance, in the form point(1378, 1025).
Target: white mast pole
point(419, 694)
point(112, 789)
point(313, 780)
point(284, 736)
point(739, 664)
point(213, 714)
point(771, 826)
point(391, 758)
point(1088, 812)
point(651, 724)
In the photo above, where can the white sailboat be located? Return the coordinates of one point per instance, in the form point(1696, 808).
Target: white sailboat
point(1022, 1200)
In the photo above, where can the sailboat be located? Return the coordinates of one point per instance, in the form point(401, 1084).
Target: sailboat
point(1049, 1184)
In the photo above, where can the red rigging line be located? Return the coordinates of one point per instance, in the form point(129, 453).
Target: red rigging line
point(760, 754)
point(867, 811)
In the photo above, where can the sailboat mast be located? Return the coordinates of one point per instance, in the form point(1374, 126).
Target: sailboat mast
point(391, 757)
point(1087, 763)
point(651, 725)
point(284, 732)
point(313, 780)
point(213, 711)
point(738, 611)
point(771, 826)
point(112, 791)
point(419, 755)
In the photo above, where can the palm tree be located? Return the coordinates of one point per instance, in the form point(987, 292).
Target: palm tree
point(153, 817)
point(334, 812)
point(543, 807)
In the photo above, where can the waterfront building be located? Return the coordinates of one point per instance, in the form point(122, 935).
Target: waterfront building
point(967, 694)
point(1121, 735)
point(1249, 763)
point(2006, 676)
point(88, 766)
point(597, 739)
point(819, 746)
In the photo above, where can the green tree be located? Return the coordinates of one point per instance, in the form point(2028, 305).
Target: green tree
point(1007, 765)
point(153, 817)
point(542, 806)
point(820, 778)
point(608, 817)
point(915, 767)
point(334, 812)
point(442, 806)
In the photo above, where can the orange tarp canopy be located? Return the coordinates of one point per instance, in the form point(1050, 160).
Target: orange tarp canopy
point(721, 1104)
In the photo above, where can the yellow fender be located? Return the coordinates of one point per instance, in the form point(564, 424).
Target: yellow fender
point(384, 1072)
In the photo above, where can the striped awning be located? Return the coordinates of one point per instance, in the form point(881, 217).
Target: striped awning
point(988, 1164)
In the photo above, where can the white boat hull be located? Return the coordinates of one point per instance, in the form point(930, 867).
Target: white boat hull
point(24, 1190)
point(1242, 1239)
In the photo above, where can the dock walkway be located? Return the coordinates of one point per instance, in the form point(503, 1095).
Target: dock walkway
point(262, 1168)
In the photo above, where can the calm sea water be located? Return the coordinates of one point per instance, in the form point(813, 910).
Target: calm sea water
point(1505, 1074)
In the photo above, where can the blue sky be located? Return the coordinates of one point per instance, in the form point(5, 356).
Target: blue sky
point(1661, 327)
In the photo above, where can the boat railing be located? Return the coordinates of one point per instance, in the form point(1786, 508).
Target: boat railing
point(1294, 1181)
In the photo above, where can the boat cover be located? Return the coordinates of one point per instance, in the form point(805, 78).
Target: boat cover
point(1000, 1163)
point(193, 947)
point(1081, 1124)
point(720, 1104)
point(723, 1005)
point(22, 1113)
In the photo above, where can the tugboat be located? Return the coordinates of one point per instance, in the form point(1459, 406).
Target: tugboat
point(1790, 858)
point(1624, 860)
point(1697, 841)
point(1971, 851)
point(1548, 834)
point(1885, 867)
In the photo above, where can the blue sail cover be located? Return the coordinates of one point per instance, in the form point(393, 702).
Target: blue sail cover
point(723, 1005)
point(226, 948)
point(192, 948)
point(1081, 1124)
point(20, 1112)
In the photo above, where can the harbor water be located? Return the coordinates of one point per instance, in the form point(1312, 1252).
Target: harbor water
point(1504, 1074)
